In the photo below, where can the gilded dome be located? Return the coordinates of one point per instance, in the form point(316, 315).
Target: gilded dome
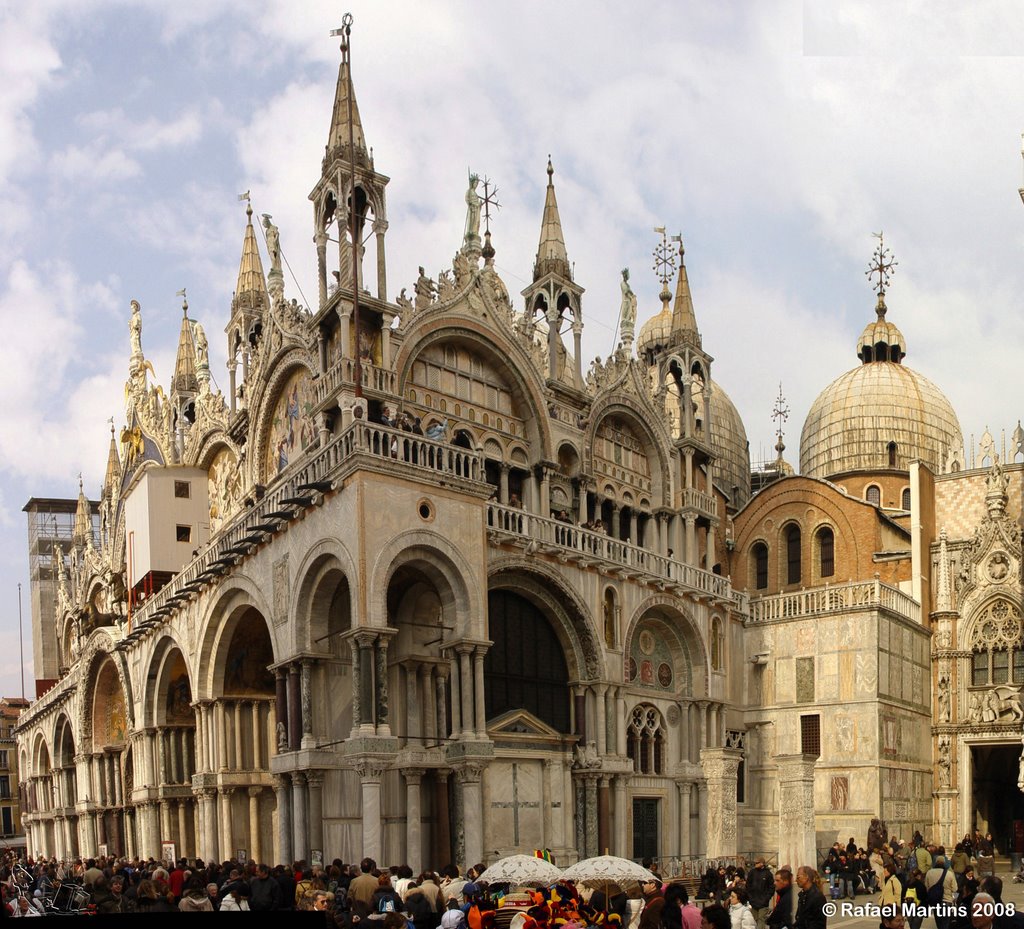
point(856, 419)
point(732, 469)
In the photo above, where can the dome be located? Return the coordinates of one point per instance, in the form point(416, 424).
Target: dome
point(655, 332)
point(855, 420)
point(732, 469)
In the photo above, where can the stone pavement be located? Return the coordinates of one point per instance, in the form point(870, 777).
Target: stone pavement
point(1012, 893)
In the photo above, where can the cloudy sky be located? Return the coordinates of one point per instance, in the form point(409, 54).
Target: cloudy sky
point(776, 136)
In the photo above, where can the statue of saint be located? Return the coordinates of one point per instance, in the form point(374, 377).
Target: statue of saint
point(273, 242)
point(135, 328)
point(202, 348)
point(627, 311)
point(473, 202)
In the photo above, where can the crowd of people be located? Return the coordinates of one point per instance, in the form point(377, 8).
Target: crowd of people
point(728, 897)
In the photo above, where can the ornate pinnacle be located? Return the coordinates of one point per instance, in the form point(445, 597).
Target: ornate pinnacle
point(882, 265)
point(665, 261)
point(780, 413)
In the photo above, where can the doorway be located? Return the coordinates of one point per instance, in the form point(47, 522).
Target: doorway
point(996, 800)
point(645, 828)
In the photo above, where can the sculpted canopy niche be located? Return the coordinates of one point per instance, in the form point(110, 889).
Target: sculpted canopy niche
point(292, 429)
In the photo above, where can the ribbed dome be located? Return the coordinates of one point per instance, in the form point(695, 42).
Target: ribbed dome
point(654, 332)
point(852, 423)
point(730, 441)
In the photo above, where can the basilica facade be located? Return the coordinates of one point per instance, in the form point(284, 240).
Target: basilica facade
point(423, 587)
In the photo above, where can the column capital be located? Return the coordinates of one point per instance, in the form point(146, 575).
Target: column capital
point(254, 791)
point(315, 779)
point(469, 773)
point(298, 779)
point(413, 775)
point(281, 781)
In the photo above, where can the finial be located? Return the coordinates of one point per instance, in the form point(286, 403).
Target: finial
point(490, 199)
point(780, 413)
point(111, 421)
point(345, 31)
point(551, 170)
point(665, 262)
point(80, 488)
point(184, 301)
point(248, 205)
point(882, 264)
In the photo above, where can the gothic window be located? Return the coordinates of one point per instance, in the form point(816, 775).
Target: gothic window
point(996, 645)
point(717, 644)
point(873, 495)
point(525, 667)
point(645, 740)
point(793, 554)
point(906, 498)
point(760, 557)
point(826, 551)
point(609, 618)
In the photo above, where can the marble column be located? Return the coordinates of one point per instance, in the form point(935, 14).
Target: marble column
point(591, 827)
point(443, 843)
point(466, 681)
point(478, 691)
point(315, 785)
point(702, 818)
point(472, 812)
point(221, 724)
point(165, 821)
point(210, 831)
point(197, 825)
point(370, 784)
point(306, 679)
point(428, 702)
point(603, 817)
point(720, 768)
point(684, 817)
point(413, 818)
point(797, 836)
point(456, 696)
point(366, 691)
point(601, 724)
point(239, 745)
point(170, 746)
point(283, 845)
point(381, 669)
point(183, 843)
point(255, 849)
point(258, 762)
point(281, 700)
point(227, 839)
point(357, 680)
point(442, 705)
point(294, 709)
point(621, 819)
point(620, 715)
point(300, 821)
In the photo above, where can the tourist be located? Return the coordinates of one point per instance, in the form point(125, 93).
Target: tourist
point(759, 890)
point(915, 893)
point(960, 861)
point(194, 898)
point(715, 916)
point(940, 873)
point(740, 914)
point(982, 910)
point(363, 887)
point(264, 891)
point(810, 906)
point(781, 915)
point(385, 899)
point(892, 889)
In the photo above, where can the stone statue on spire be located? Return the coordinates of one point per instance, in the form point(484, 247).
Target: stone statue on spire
point(135, 329)
point(273, 243)
point(627, 310)
point(474, 202)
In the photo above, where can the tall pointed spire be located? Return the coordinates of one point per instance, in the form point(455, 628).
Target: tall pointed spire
point(185, 380)
point(251, 289)
point(551, 253)
point(684, 319)
point(943, 600)
point(83, 519)
point(113, 475)
point(337, 138)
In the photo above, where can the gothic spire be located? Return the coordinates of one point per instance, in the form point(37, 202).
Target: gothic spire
point(185, 379)
point(251, 289)
point(684, 319)
point(113, 475)
point(83, 519)
point(551, 254)
point(337, 138)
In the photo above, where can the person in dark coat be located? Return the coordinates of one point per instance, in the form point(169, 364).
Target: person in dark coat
point(781, 915)
point(264, 891)
point(810, 905)
point(760, 888)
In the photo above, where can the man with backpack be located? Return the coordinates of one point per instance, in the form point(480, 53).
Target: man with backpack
point(940, 891)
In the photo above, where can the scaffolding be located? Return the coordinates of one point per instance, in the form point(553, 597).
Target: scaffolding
point(50, 522)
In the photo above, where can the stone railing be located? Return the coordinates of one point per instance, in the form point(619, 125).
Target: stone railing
point(417, 455)
point(343, 372)
point(852, 596)
point(555, 537)
point(698, 500)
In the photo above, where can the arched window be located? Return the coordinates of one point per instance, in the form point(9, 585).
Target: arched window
point(826, 552)
point(610, 617)
point(717, 645)
point(645, 740)
point(759, 554)
point(793, 554)
point(906, 498)
point(998, 657)
point(525, 667)
point(873, 494)
point(891, 449)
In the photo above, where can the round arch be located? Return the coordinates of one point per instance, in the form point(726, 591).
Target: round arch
point(509, 359)
point(652, 436)
point(236, 597)
point(682, 632)
point(568, 614)
point(284, 367)
point(326, 569)
point(41, 756)
point(447, 569)
point(98, 651)
point(163, 684)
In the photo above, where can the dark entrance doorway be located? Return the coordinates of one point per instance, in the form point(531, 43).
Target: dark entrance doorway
point(996, 799)
point(645, 828)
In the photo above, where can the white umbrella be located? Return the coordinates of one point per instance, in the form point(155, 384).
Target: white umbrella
point(607, 869)
point(521, 869)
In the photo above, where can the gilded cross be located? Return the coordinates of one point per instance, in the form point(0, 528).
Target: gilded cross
point(665, 256)
point(780, 412)
point(882, 264)
point(490, 198)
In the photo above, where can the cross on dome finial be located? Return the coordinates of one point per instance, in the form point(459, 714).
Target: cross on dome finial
point(882, 265)
point(665, 261)
point(780, 413)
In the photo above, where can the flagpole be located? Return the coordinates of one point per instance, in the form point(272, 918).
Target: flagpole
point(21, 643)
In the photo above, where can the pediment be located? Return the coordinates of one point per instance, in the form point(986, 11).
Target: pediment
point(520, 723)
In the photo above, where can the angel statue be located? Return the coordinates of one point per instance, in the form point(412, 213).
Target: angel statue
point(473, 202)
point(273, 242)
point(135, 328)
point(627, 311)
